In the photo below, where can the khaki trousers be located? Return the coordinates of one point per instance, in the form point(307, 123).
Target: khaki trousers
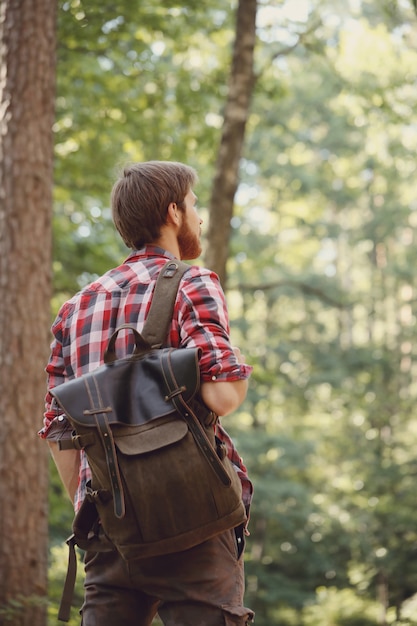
point(202, 586)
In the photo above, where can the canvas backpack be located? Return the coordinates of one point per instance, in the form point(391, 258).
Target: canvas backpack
point(161, 480)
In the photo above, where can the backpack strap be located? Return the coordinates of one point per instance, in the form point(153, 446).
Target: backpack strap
point(162, 306)
point(68, 591)
point(193, 422)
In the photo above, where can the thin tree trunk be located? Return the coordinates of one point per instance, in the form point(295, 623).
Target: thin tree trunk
point(27, 93)
point(241, 85)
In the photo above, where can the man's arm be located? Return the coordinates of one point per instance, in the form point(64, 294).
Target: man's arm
point(224, 397)
point(68, 465)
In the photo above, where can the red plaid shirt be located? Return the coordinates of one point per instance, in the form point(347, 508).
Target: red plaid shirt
point(122, 296)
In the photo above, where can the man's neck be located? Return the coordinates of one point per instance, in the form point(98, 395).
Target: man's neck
point(168, 241)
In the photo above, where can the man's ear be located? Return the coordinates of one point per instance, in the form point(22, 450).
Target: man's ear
point(173, 214)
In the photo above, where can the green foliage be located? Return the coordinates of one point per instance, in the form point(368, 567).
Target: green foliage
point(341, 608)
point(131, 86)
point(322, 289)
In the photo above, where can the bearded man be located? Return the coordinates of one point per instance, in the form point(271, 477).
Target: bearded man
point(154, 210)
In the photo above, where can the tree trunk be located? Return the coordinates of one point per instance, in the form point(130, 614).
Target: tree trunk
point(27, 93)
point(241, 85)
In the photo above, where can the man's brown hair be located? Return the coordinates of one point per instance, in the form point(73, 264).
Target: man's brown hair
point(141, 196)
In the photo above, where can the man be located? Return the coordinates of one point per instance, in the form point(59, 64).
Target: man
point(154, 210)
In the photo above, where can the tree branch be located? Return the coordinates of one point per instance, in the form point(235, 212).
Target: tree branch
point(301, 286)
point(286, 50)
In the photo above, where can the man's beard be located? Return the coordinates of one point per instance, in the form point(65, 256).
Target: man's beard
point(188, 242)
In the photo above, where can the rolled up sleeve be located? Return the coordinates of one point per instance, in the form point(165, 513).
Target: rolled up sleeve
point(203, 322)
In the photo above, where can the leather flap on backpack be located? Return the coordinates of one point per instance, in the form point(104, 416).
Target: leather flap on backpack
point(136, 441)
point(130, 391)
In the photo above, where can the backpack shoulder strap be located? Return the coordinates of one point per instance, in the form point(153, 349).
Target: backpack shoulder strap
point(160, 313)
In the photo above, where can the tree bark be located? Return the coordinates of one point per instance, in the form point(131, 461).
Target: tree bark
point(27, 94)
point(241, 85)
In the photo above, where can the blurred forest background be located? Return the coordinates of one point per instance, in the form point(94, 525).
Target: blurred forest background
point(321, 278)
